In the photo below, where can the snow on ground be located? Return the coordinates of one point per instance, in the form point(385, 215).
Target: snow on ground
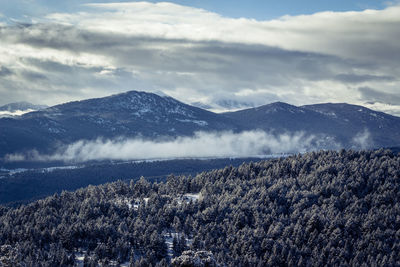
point(50, 169)
point(131, 203)
point(187, 198)
point(192, 196)
point(14, 171)
point(169, 240)
point(198, 122)
point(80, 256)
point(135, 203)
point(42, 170)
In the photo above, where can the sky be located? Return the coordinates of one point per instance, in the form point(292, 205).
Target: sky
point(223, 55)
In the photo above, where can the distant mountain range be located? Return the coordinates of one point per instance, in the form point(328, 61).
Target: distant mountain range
point(22, 106)
point(18, 108)
point(342, 122)
point(149, 115)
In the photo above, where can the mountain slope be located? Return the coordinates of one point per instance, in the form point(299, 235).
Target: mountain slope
point(12, 107)
point(327, 208)
point(151, 116)
point(343, 122)
point(124, 115)
point(384, 129)
point(18, 108)
point(280, 117)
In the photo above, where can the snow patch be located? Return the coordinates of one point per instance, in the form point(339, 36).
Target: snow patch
point(187, 198)
point(169, 240)
point(192, 197)
point(198, 122)
point(330, 114)
point(51, 169)
point(54, 130)
point(79, 258)
point(375, 115)
point(131, 203)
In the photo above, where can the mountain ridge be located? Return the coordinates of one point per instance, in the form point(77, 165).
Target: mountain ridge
point(138, 113)
point(22, 105)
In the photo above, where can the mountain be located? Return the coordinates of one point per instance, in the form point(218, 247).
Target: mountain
point(384, 129)
point(280, 117)
point(341, 121)
point(152, 116)
point(123, 115)
point(18, 108)
point(21, 106)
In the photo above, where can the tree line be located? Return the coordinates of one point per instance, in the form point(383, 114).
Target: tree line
point(337, 208)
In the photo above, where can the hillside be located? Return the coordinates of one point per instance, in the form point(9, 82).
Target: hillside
point(24, 186)
point(21, 106)
point(18, 108)
point(341, 121)
point(281, 117)
point(129, 114)
point(383, 128)
point(322, 208)
point(152, 117)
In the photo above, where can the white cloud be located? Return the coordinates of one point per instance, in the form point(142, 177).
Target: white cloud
point(363, 140)
point(383, 107)
point(202, 144)
point(14, 113)
point(196, 55)
point(348, 34)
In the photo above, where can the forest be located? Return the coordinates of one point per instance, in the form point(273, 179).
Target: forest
point(27, 186)
point(335, 208)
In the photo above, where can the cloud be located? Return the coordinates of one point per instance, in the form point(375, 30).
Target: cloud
point(198, 56)
point(4, 71)
point(202, 144)
point(357, 32)
point(14, 113)
point(363, 140)
point(387, 108)
point(354, 78)
point(371, 95)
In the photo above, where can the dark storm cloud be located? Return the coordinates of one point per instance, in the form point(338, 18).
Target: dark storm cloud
point(174, 54)
point(64, 37)
point(32, 76)
point(167, 63)
point(253, 60)
point(354, 78)
point(372, 95)
point(62, 73)
point(4, 71)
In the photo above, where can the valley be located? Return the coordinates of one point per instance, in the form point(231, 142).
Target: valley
point(21, 186)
